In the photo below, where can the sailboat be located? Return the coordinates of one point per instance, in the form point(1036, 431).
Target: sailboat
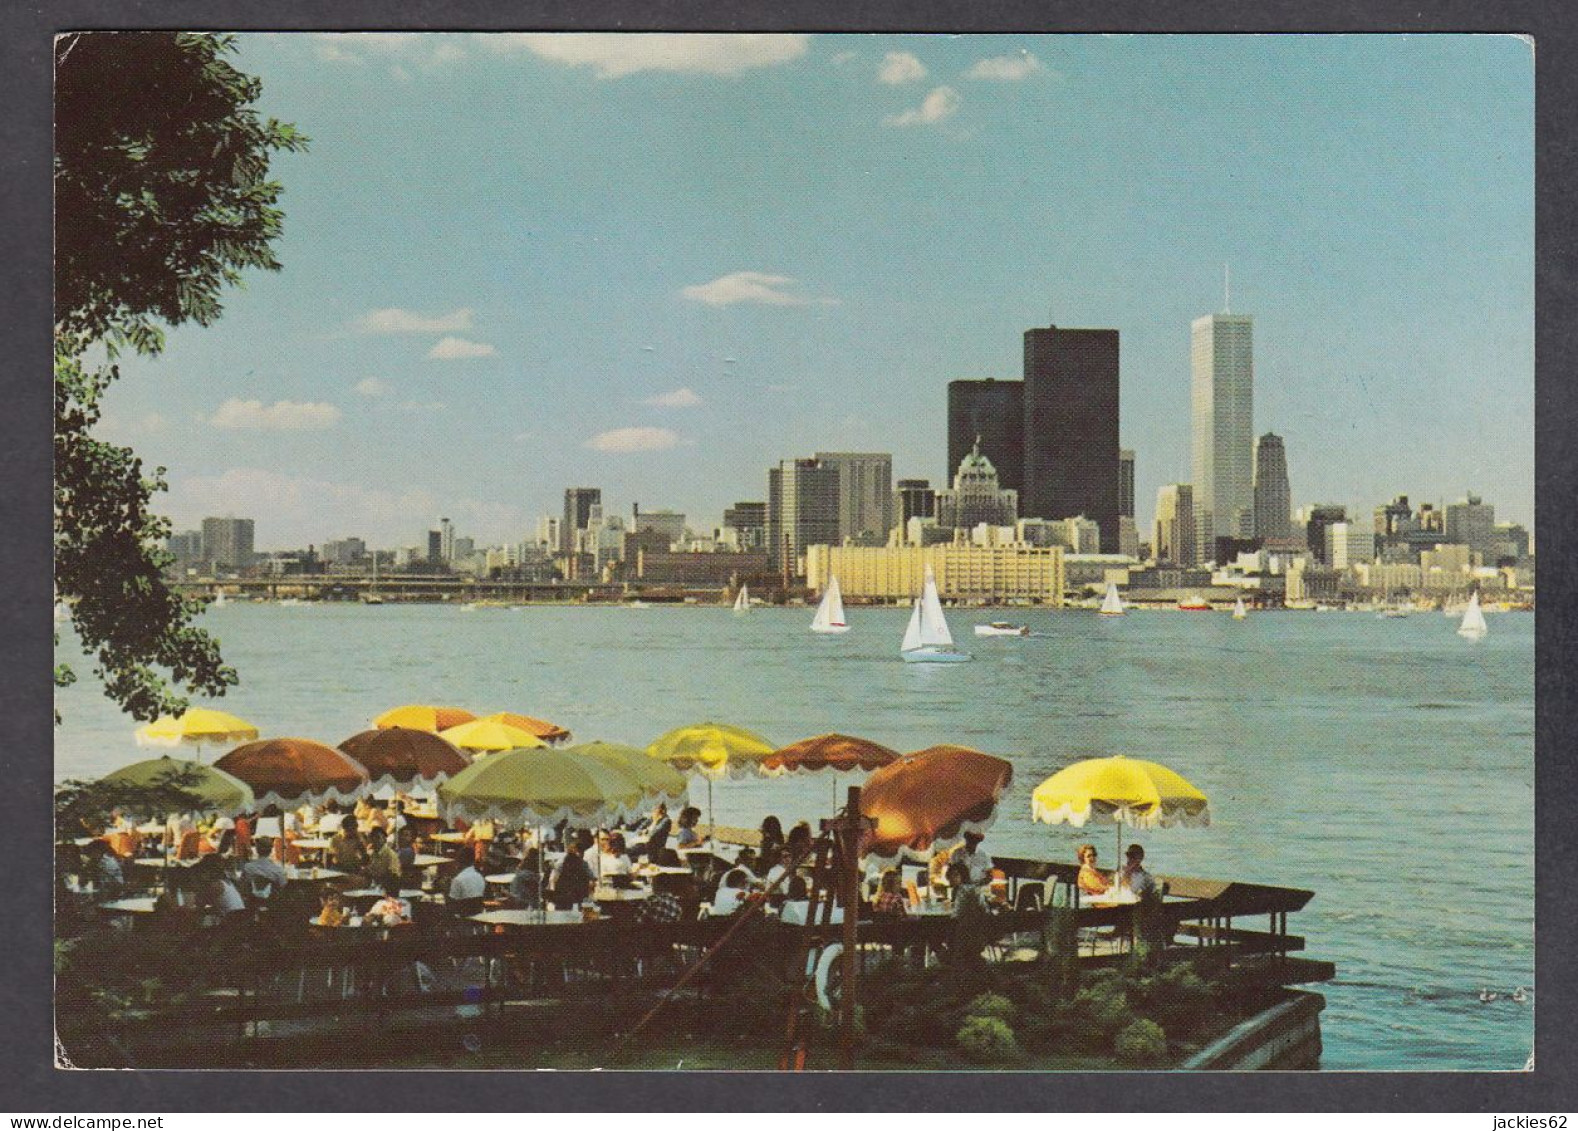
point(1473, 625)
point(927, 639)
point(830, 613)
point(742, 601)
point(1239, 612)
point(1112, 604)
point(220, 600)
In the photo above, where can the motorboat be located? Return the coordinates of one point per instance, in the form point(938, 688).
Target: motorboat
point(1002, 628)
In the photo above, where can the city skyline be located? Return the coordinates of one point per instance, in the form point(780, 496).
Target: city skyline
point(718, 288)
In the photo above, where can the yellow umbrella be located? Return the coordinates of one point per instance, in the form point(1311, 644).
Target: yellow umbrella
point(714, 749)
point(420, 716)
point(196, 726)
point(1125, 791)
point(490, 734)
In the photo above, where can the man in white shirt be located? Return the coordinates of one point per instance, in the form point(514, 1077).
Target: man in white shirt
point(468, 884)
point(263, 875)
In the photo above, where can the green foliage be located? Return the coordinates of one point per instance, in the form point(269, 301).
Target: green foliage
point(1141, 1042)
point(1101, 1009)
point(987, 1040)
point(992, 1005)
point(161, 200)
point(1177, 998)
point(86, 805)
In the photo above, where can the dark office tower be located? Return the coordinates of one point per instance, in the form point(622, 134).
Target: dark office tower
point(435, 547)
point(1071, 428)
point(802, 510)
point(750, 520)
point(913, 498)
point(578, 504)
point(1273, 497)
point(1126, 482)
point(993, 412)
point(1321, 516)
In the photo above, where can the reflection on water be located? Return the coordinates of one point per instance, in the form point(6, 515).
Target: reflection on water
point(1386, 764)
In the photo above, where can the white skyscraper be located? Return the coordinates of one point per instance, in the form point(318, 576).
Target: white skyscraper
point(1223, 398)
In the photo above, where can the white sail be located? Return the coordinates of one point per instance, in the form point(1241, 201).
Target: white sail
point(1112, 604)
point(912, 634)
point(1473, 619)
point(742, 602)
point(933, 625)
point(1239, 612)
point(830, 613)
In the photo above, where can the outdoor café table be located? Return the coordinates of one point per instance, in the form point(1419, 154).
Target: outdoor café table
point(426, 860)
point(312, 875)
point(448, 837)
point(503, 879)
point(311, 844)
point(375, 894)
point(660, 870)
point(152, 828)
point(84, 841)
point(620, 895)
point(135, 905)
point(530, 917)
point(1112, 897)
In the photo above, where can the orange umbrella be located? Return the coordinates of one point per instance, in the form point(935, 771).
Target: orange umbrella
point(548, 732)
point(932, 795)
point(295, 771)
point(828, 752)
point(398, 758)
point(421, 717)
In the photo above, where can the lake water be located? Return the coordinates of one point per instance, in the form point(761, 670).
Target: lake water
point(1386, 764)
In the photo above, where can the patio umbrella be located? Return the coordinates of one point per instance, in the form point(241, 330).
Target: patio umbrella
point(713, 749)
point(485, 736)
point(932, 796)
point(542, 728)
point(295, 771)
point(399, 758)
point(1125, 791)
point(536, 786)
point(421, 717)
point(196, 726)
point(215, 790)
point(839, 752)
point(658, 781)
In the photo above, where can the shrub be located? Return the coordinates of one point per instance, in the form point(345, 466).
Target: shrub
point(992, 1005)
point(1176, 999)
point(1141, 1042)
point(987, 1040)
point(1103, 1008)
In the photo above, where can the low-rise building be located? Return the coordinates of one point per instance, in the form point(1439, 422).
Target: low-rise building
point(964, 571)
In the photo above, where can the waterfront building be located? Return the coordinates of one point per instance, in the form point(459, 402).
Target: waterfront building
point(1313, 582)
point(865, 494)
point(1390, 579)
point(1128, 536)
point(977, 496)
point(802, 510)
point(1097, 570)
point(990, 413)
point(965, 571)
point(446, 540)
point(1176, 540)
point(548, 533)
point(578, 504)
point(1222, 392)
point(186, 547)
point(227, 542)
point(1126, 482)
point(1510, 540)
point(435, 547)
point(1071, 427)
point(710, 570)
point(665, 522)
point(749, 523)
point(1272, 494)
point(1447, 558)
point(1322, 515)
point(1472, 522)
point(344, 551)
point(1347, 544)
point(914, 498)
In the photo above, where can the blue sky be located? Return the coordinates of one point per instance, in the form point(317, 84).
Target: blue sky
point(659, 264)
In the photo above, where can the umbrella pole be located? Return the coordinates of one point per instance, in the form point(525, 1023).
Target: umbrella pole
point(712, 821)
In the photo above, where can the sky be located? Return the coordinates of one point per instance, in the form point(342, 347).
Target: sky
point(659, 264)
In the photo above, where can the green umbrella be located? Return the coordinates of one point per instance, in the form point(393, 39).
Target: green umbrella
point(216, 790)
point(658, 781)
point(537, 786)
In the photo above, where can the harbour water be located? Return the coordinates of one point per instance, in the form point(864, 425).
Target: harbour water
point(1386, 764)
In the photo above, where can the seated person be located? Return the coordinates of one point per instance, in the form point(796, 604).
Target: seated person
point(1092, 880)
point(673, 899)
point(391, 910)
point(688, 836)
point(104, 871)
point(526, 884)
point(1133, 876)
point(797, 907)
point(405, 850)
point(799, 840)
point(215, 892)
point(329, 818)
point(779, 868)
point(654, 837)
point(383, 863)
point(772, 843)
point(891, 902)
point(732, 892)
point(468, 886)
point(263, 875)
point(332, 913)
point(613, 859)
point(572, 881)
point(347, 849)
point(937, 870)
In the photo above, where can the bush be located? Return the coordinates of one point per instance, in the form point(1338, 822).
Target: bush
point(992, 1005)
point(987, 1040)
point(1176, 999)
point(1141, 1042)
point(1102, 1009)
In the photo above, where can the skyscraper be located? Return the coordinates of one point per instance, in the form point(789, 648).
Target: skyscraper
point(1322, 515)
point(446, 533)
point(1273, 496)
point(977, 496)
point(749, 520)
point(802, 510)
point(1126, 482)
point(1176, 542)
point(1223, 415)
point(993, 412)
point(913, 498)
point(578, 504)
point(1469, 521)
point(1071, 427)
point(865, 494)
point(227, 542)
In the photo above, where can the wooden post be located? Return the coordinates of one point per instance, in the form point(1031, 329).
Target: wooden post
point(850, 829)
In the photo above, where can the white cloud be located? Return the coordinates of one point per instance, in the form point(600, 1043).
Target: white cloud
point(394, 320)
point(1005, 68)
point(425, 50)
point(370, 387)
point(281, 416)
point(625, 440)
point(457, 349)
point(937, 106)
point(679, 398)
point(899, 67)
point(617, 54)
point(749, 286)
point(844, 58)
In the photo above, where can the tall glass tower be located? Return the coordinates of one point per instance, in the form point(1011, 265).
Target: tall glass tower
point(1273, 496)
point(1223, 400)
